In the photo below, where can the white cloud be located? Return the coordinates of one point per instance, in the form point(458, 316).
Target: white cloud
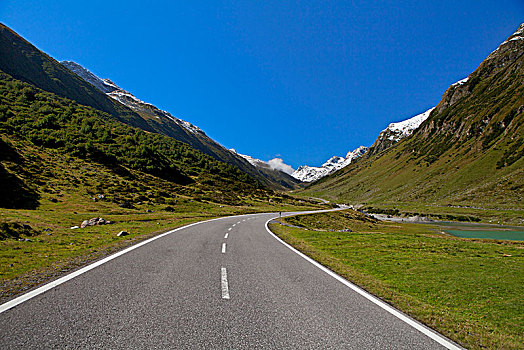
point(278, 164)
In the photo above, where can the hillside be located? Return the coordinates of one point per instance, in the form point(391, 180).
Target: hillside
point(29, 116)
point(22, 61)
point(469, 151)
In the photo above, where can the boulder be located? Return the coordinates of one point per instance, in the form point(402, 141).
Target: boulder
point(94, 222)
point(122, 233)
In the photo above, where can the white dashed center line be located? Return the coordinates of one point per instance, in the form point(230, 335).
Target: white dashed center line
point(229, 229)
point(225, 287)
point(223, 248)
point(227, 234)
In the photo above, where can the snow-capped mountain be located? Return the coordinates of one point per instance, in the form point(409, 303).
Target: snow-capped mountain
point(104, 85)
point(253, 161)
point(307, 173)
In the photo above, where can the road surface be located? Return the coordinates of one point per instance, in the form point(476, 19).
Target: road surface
point(226, 283)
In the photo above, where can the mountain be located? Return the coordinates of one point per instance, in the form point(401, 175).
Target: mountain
point(397, 131)
point(24, 62)
point(163, 122)
point(41, 133)
point(307, 173)
point(469, 151)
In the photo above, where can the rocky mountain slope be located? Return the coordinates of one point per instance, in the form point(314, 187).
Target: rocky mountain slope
point(469, 151)
point(307, 173)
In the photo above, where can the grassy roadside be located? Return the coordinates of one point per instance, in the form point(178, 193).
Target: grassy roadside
point(51, 248)
point(469, 290)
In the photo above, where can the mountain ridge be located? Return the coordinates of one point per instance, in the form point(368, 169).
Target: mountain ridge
point(307, 173)
point(23, 61)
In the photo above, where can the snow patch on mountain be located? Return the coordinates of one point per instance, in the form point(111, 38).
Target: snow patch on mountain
point(92, 79)
point(518, 35)
point(461, 82)
point(307, 173)
point(397, 131)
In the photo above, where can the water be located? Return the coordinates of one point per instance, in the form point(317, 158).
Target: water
point(469, 230)
point(482, 231)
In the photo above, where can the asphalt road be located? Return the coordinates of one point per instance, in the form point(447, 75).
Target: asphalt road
point(226, 283)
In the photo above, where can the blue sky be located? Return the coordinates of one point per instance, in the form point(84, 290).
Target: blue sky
point(301, 80)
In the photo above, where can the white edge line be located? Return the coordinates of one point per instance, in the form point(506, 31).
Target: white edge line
point(29, 295)
point(224, 284)
point(415, 324)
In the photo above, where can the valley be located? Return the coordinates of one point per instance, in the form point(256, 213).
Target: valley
point(157, 215)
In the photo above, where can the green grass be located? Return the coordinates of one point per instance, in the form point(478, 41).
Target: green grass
point(468, 289)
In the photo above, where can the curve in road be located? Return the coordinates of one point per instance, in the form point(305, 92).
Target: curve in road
point(222, 283)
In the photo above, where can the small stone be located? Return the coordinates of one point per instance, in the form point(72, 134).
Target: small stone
point(149, 211)
point(27, 240)
point(11, 265)
point(46, 229)
point(126, 205)
point(122, 233)
point(75, 227)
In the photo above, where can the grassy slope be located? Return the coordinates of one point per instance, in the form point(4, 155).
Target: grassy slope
point(469, 151)
point(469, 290)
